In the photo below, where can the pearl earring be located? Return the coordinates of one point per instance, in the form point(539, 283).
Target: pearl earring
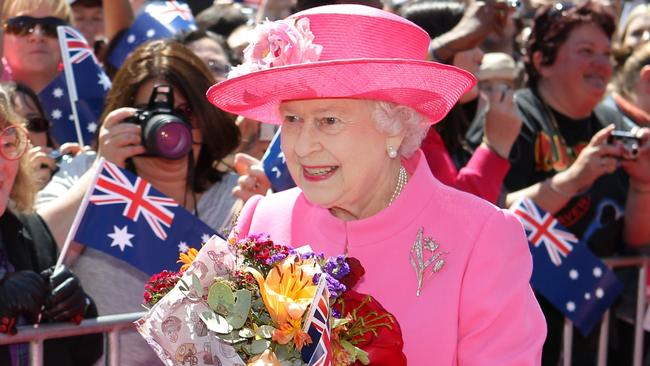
point(392, 153)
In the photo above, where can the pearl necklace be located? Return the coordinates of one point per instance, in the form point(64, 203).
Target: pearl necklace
point(402, 179)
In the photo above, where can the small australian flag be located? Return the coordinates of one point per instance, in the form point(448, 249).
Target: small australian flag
point(565, 271)
point(125, 216)
point(81, 88)
point(275, 166)
point(158, 19)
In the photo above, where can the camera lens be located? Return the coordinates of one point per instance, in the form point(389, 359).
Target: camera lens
point(167, 136)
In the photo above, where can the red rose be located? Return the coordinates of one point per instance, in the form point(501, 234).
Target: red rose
point(356, 272)
point(386, 347)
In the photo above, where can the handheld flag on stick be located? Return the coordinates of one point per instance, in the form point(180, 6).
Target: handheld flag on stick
point(565, 271)
point(158, 19)
point(317, 325)
point(125, 216)
point(74, 100)
point(275, 166)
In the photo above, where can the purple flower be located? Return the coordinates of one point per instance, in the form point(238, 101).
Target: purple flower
point(275, 258)
point(335, 288)
point(337, 267)
point(311, 255)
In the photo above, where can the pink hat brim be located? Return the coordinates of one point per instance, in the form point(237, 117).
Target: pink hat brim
point(428, 87)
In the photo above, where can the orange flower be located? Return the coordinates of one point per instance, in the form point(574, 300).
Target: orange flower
point(187, 258)
point(288, 289)
point(291, 330)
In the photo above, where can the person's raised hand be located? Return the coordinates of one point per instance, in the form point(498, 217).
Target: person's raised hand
point(65, 299)
point(22, 293)
point(596, 159)
point(119, 141)
point(479, 19)
point(502, 121)
point(42, 165)
point(71, 148)
point(252, 179)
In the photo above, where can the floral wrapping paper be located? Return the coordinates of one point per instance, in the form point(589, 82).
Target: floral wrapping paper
point(173, 328)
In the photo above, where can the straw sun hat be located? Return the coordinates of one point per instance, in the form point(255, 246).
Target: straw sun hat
point(339, 51)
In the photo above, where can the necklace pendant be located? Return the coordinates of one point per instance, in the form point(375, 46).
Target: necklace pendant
point(426, 258)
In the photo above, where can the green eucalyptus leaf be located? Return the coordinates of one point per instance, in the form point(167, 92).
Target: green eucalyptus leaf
point(246, 333)
point(221, 298)
point(239, 311)
point(215, 322)
point(232, 337)
point(282, 352)
point(258, 346)
point(264, 331)
point(197, 285)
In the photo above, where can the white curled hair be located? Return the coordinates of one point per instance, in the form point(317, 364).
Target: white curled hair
point(393, 118)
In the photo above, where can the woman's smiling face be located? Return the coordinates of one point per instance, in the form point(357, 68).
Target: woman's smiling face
point(582, 66)
point(335, 153)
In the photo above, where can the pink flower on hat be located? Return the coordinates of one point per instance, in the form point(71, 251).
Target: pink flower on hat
point(279, 43)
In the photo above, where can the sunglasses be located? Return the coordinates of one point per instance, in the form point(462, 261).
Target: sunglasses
point(37, 124)
point(13, 142)
point(24, 25)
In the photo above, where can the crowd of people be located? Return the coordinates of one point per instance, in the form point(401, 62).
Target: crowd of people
point(402, 118)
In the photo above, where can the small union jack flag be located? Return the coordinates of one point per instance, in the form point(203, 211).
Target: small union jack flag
point(110, 219)
point(542, 228)
point(113, 187)
point(318, 353)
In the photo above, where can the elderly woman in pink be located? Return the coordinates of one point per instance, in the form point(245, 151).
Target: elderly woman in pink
point(354, 96)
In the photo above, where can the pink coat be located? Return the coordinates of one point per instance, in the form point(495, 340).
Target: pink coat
point(478, 309)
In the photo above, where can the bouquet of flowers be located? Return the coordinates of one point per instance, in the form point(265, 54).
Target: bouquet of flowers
point(253, 302)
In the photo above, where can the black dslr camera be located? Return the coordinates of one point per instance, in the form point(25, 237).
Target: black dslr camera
point(165, 133)
point(629, 142)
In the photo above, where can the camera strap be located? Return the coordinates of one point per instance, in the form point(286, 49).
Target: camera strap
point(190, 180)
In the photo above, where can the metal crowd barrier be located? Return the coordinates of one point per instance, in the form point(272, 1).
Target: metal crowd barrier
point(642, 263)
point(109, 324)
point(113, 324)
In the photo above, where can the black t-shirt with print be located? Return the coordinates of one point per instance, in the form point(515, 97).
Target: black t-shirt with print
point(540, 152)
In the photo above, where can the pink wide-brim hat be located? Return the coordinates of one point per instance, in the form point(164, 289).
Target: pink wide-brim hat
point(367, 53)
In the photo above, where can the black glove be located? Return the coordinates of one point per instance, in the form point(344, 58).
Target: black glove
point(21, 293)
point(66, 299)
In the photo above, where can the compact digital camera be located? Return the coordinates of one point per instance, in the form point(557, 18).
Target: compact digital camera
point(165, 133)
point(629, 142)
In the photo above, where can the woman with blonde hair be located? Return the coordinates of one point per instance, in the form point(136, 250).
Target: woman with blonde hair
point(631, 88)
point(30, 47)
point(31, 289)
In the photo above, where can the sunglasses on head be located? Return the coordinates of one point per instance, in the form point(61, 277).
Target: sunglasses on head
point(24, 25)
point(560, 9)
point(219, 68)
